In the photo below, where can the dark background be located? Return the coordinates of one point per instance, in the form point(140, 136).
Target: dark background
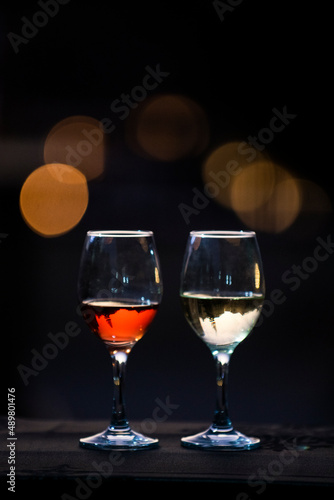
point(263, 55)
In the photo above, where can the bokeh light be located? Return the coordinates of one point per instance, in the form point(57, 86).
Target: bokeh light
point(78, 141)
point(315, 200)
point(253, 186)
point(278, 201)
point(224, 164)
point(168, 128)
point(264, 195)
point(53, 199)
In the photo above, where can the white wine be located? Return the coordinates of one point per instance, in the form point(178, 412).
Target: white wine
point(222, 321)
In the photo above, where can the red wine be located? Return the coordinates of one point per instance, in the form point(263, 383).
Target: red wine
point(118, 323)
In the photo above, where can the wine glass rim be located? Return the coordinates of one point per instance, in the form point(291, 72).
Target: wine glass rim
point(120, 233)
point(223, 234)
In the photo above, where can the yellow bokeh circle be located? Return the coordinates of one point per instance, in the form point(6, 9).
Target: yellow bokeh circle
point(225, 163)
point(265, 200)
point(78, 141)
point(53, 199)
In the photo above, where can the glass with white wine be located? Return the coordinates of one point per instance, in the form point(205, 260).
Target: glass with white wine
point(222, 292)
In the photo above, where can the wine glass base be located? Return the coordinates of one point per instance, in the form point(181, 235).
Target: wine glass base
point(220, 440)
point(124, 439)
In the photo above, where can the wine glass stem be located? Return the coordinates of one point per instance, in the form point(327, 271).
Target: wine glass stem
point(221, 419)
point(118, 418)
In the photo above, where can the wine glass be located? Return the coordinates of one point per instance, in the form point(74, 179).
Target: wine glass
point(222, 291)
point(120, 289)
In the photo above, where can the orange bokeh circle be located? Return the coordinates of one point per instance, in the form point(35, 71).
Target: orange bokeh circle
point(53, 199)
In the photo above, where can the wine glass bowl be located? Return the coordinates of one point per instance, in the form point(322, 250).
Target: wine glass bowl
point(222, 292)
point(119, 289)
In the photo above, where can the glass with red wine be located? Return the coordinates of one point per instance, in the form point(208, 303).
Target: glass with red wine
point(120, 289)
